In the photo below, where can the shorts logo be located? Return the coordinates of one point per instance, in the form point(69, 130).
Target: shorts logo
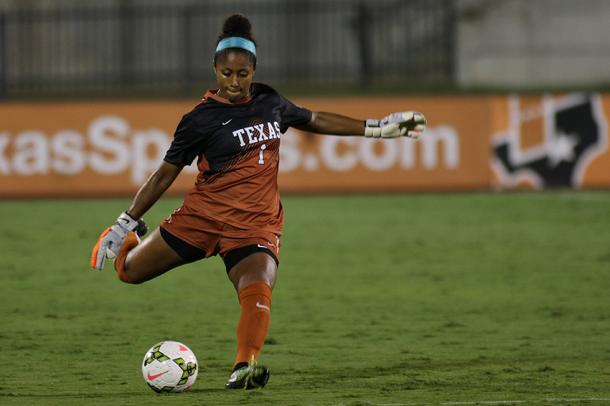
point(270, 246)
point(570, 132)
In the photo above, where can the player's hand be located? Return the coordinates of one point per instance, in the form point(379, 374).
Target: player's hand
point(405, 123)
point(110, 241)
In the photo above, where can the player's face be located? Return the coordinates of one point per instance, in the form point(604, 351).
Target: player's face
point(234, 74)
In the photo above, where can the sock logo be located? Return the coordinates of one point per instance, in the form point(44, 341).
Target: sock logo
point(262, 306)
point(550, 143)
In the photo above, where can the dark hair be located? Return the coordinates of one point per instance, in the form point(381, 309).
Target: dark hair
point(236, 26)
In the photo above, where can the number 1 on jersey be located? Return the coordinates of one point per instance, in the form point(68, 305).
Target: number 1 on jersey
point(261, 157)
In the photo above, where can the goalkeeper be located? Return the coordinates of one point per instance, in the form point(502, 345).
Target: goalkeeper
point(234, 209)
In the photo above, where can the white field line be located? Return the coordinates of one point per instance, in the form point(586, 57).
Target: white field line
point(545, 400)
point(580, 196)
point(490, 402)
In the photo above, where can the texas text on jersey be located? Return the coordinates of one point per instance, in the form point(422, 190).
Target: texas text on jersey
point(237, 149)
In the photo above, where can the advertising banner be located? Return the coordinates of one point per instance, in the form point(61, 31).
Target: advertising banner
point(551, 141)
point(72, 149)
point(453, 154)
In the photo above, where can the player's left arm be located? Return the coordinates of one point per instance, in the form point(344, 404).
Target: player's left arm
point(407, 123)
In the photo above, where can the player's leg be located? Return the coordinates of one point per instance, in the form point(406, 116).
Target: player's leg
point(253, 276)
point(139, 262)
point(258, 267)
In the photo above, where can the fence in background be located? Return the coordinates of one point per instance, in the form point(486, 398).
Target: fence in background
point(128, 46)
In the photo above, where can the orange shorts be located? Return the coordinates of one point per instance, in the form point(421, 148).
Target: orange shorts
point(209, 237)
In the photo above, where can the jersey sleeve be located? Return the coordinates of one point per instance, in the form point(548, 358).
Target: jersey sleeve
point(187, 144)
point(292, 114)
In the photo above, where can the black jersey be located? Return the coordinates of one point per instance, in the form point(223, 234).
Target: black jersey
point(237, 151)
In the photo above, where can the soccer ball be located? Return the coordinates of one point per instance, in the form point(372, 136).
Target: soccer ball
point(170, 366)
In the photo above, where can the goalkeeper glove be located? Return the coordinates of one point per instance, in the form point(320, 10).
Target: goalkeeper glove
point(110, 241)
point(407, 123)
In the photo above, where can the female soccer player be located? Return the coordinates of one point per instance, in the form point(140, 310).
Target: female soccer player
point(234, 209)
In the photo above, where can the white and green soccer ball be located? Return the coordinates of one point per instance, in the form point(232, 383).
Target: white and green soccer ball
point(170, 366)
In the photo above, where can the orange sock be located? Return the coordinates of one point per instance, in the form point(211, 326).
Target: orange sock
point(129, 243)
point(255, 301)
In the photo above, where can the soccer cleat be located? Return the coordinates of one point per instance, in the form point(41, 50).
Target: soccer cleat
point(249, 377)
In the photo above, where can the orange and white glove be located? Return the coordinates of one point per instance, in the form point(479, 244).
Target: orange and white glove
point(410, 124)
point(110, 241)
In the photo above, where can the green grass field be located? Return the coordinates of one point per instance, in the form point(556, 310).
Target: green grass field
point(391, 299)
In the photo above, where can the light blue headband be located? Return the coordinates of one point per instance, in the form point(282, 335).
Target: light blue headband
point(236, 42)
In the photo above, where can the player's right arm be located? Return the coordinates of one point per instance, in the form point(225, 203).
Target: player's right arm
point(110, 241)
point(407, 123)
point(404, 123)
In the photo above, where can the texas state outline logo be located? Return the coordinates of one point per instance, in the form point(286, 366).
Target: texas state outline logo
point(571, 131)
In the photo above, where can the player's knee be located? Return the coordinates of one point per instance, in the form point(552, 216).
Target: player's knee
point(123, 277)
point(256, 276)
point(130, 276)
